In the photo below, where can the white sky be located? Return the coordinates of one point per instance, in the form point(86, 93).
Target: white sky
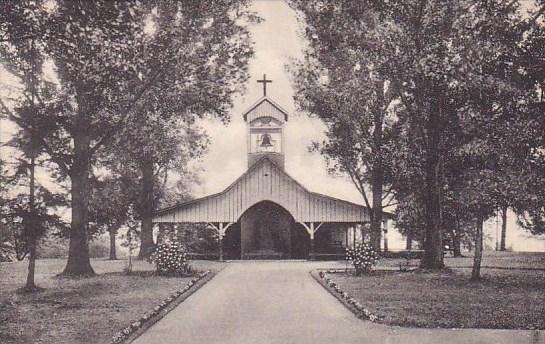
point(277, 41)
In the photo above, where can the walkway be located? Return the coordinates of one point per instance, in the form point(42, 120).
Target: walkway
point(279, 302)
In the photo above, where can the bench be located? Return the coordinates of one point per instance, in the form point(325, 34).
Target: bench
point(202, 256)
point(263, 255)
point(327, 256)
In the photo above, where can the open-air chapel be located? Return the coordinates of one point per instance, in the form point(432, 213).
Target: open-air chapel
point(267, 214)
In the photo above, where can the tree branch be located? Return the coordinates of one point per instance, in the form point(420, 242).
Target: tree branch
point(110, 133)
point(390, 204)
point(169, 60)
point(388, 192)
point(359, 185)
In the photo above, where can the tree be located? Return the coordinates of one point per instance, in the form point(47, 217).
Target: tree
point(173, 143)
point(409, 221)
point(458, 96)
point(7, 240)
point(426, 51)
point(163, 135)
point(108, 207)
point(105, 65)
point(497, 139)
point(339, 80)
point(159, 144)
point(26, 212)
point(530, 207)
point(89, 82)
point(130, 236)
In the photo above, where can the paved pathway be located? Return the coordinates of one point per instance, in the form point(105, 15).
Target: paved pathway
point(279, 302)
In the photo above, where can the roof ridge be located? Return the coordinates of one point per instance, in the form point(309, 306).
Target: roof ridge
point(260, 101)
point(248, 171)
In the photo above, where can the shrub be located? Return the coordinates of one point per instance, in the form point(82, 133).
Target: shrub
point(363, 256)
point(170, 258)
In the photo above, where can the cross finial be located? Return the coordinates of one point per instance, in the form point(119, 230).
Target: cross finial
point(265, 82)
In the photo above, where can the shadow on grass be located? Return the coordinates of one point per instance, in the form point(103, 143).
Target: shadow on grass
point(32, 290)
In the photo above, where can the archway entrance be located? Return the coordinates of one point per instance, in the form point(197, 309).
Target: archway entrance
point(267, 232)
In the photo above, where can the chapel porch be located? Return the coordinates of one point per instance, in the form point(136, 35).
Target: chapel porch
point(266, 214)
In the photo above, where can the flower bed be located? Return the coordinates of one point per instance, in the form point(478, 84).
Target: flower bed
point(323, 277)
point(149, 318)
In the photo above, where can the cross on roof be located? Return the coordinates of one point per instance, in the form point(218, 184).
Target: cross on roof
point(265, 82)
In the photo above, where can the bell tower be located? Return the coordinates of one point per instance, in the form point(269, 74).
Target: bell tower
point(265, 129)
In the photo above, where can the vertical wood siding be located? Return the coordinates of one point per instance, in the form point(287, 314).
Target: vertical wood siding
point(265, 108)
point(265, 182)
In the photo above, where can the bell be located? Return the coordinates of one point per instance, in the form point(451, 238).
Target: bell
point(266, 140)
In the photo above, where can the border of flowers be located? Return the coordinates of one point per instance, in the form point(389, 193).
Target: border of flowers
point(352, 304)
point(137, 327)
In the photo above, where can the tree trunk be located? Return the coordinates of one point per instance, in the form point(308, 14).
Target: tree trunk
point(31, 229)
point(503, 228)
point(377, 178)
point(161, 235)
point(456, 244)
point(433, 237)
point(376, 219)
point(409, 243)
point(147, 207)
point(456, 238)
point(30, 284)
point(477, 257)
point(79, 263)
point(113, 249)
point(386, 240)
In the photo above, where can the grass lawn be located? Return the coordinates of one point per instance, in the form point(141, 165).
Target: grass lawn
point(87, 310)
point(495, 259)
point(512, 299)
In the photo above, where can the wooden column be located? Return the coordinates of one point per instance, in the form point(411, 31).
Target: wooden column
point(346, 236)
point(220, 240)
point(311, 229)
point(311, 254)
point(220, 229)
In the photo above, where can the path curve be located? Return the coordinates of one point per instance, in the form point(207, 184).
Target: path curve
point(279, 302)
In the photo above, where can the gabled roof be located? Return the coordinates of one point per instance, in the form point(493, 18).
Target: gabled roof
point(265, 107)
point(265, 181)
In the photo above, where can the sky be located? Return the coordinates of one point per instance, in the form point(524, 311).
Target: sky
point(278, 41)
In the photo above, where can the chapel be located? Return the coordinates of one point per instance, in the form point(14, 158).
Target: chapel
point(267, 214)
